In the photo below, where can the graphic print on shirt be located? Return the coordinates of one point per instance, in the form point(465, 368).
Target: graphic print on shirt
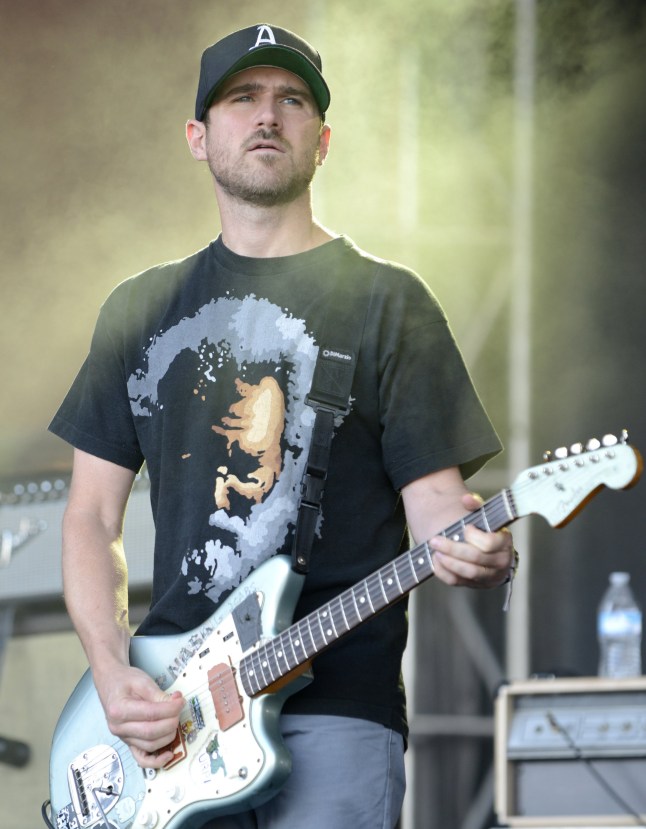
point(229, 385)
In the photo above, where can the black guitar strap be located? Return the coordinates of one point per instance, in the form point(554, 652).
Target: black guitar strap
point(329, 396)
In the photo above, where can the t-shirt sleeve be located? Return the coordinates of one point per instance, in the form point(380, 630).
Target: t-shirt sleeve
point(95, 415)
point(432, 417)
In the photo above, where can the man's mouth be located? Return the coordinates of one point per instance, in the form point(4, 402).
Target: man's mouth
point(265, 146)
point(265, 143)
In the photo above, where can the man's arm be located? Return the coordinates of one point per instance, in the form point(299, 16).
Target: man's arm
point(436, 501)
point(95, 580)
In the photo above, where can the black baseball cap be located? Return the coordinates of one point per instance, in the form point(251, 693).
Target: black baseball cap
point(261, 45)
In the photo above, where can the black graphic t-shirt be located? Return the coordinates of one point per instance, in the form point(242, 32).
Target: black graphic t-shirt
point(200, 368)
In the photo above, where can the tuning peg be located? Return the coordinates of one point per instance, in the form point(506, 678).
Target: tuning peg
point(593, 444)
point(576, 449)
point(609, 440)
point(561, 453)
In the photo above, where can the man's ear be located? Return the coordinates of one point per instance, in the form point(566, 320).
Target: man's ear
point(324, 144)
point(196, 137)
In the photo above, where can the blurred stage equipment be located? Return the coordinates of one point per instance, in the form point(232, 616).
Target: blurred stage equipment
point(571, 752)
point(30, 560)
point(30, 518)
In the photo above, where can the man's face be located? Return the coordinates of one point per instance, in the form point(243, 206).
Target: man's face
point(264, 137)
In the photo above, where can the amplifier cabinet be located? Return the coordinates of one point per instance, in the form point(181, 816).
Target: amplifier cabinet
point(30, 540)
point(571, 752)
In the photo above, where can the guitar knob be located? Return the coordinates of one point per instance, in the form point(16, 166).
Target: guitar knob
point(147, 818)
point(174, 792)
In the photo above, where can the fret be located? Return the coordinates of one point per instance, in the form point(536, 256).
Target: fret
point(273, 660)
point(349, 612)
point(252, 672)
point(356, 604)
point(411, 566)
point(288, 649)
point(319, 621)
point(382, 587)
point(373, 584)
point(485, 520)
point(368, 596)
point(306, 629)
point(452, 532)
point(338, 616)
point(508, 504)
point(325, 619)
point(400, 587)
point(313, 649)
point(390, 582)
point(283, 660)
point(361, 600)
point(244, 677)
point(404, 568)
point(308, 640)
point(295, 643)
point(342, 608)
point(418, 561)
point(263, 663)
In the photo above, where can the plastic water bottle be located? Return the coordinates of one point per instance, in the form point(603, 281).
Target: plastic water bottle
point(619, 629)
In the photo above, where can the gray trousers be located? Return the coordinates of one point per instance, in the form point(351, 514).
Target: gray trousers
point(347, 774)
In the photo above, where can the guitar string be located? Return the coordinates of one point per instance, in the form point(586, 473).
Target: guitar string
point(493, 514)
point(373, 588)
point(378, 587)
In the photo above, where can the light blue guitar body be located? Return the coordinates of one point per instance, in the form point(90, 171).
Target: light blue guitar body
point(229, 753)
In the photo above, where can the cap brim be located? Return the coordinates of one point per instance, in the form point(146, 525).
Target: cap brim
point(282, 57)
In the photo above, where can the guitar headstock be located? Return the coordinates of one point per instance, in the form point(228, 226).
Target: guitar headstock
point(569, 477)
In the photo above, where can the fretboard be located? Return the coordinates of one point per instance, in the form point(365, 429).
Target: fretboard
point(305, 639)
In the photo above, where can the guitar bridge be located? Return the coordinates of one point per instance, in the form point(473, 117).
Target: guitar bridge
point(95, 779)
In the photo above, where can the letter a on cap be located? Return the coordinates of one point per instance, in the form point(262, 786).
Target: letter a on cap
point(266, 36)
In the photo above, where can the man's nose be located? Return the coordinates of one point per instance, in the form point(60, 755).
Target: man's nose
point(268, 113)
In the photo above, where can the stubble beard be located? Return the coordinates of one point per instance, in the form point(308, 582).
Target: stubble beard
point(266, 186)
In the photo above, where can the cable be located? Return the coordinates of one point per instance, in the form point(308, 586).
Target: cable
point(594, 771)
point(43, 812)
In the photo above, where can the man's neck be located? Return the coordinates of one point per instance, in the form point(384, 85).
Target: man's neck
point(264, 232)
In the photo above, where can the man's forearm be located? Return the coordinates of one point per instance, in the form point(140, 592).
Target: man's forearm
point(95, 584)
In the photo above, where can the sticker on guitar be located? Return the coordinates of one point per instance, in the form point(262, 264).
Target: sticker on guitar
point(228, 754)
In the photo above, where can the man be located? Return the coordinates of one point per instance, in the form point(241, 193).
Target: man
point(201, 368)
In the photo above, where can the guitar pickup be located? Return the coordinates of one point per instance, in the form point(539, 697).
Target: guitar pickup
point(226, 699)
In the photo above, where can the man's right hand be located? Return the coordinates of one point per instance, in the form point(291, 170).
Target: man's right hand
point(140, 713)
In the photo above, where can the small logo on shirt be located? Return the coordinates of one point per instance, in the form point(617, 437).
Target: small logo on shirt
point(341, 356)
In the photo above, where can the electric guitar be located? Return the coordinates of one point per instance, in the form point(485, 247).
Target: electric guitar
point(237, 669)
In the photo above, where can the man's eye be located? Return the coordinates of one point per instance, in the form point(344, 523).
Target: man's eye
point(293, 101)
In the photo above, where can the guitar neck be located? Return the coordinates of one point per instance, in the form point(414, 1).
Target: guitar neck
point(298, 644)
